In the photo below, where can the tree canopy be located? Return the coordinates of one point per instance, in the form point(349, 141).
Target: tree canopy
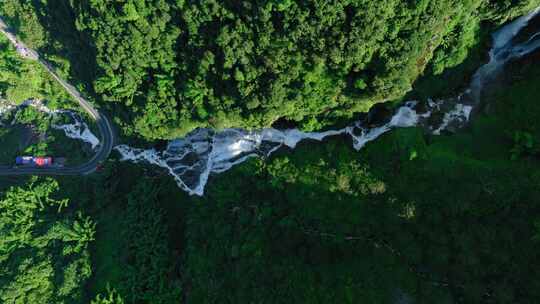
point(167, 67)
point(412, 218)
point(44, 254)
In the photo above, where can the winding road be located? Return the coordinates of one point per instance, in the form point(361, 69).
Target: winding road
point(107, 135)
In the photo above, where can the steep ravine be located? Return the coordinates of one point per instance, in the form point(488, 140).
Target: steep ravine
point(191, 160)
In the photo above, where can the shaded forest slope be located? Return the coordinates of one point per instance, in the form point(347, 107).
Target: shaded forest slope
point(166, 67)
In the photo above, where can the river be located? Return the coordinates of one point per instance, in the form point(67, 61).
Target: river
point(192, 159)
point(77, 129)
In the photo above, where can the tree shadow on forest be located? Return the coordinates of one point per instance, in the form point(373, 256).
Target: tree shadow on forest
point(58, 18)
point(455, 79)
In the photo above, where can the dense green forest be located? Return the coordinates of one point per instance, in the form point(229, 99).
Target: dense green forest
point(166, 67)
point(444, 219)
point(412, 218)
point(23, 79)
point(44, 255)
point(451, 219)
point(31, 133)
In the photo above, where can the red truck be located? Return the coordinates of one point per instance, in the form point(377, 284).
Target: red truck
point(37, 161)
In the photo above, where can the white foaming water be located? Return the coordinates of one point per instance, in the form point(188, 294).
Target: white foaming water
point(78, 129)
point(460, 115)
point(503, 51)
point(192, 159)
point(5, 108)
point(504, 35)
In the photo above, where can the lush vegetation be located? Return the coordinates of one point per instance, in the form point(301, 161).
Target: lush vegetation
point(458, 212)
point(21, 79)
point(44, 255)
point(29, 131)
point(136, 255)
point(445, 219)
point(167, 67)
point(412, 218)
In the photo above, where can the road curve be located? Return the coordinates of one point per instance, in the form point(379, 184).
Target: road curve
point(104, 126)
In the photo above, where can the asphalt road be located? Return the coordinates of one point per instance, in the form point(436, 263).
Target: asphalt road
point(107, 135)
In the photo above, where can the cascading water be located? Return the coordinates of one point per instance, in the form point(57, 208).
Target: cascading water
point(78, 129)
point(192, 159)
point(503, 50)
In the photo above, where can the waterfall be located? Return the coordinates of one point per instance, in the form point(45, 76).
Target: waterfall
point(77, 129)
point(192, 159)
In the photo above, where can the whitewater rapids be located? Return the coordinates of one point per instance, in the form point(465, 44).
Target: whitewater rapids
point(191, 160)
point(77, 129)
